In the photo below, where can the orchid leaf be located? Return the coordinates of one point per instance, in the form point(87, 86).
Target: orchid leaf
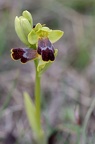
point(31, 113)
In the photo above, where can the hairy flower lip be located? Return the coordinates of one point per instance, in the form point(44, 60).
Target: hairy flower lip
point(48, 55)
point(46, 49)
point(24, 54)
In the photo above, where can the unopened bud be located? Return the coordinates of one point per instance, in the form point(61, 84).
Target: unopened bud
point(20, 32)
point(28, 16)
point(25, 25)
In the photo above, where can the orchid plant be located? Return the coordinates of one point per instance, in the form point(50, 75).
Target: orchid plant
point(39, 41)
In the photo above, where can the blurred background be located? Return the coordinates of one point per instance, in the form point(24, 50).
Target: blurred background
point(68, 86)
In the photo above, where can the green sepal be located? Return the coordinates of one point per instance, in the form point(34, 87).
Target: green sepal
point(28, 16)
point(31, 113)
point(32, 37)
point(20, 32)
point(43, 65)
point(55, 35)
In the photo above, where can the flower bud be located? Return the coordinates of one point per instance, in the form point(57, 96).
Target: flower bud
point(20, 32)
point(28, 16)
point(25, 25)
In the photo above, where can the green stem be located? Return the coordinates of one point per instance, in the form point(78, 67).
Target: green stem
point(37, 99)
point(37, 96)
point(41, 137)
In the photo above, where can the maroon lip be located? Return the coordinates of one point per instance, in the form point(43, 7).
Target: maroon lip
point(24, 54)
point(46, 49)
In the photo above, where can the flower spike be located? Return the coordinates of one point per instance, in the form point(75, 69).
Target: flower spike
point(38, 38)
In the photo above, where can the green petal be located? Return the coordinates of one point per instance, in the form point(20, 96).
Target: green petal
point(32, 37)
point(28, 16)
point(38, 26)
point(55, 35)
point(45, 30)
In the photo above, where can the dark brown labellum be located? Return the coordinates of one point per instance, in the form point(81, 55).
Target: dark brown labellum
point(46, 49)
point(24, 54)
